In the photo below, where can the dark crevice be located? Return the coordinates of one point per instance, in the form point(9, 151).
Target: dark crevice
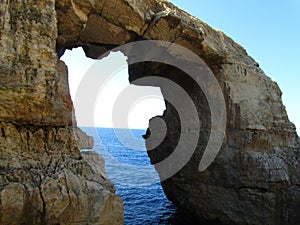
point(177, 36)
point(28, 138)
point(67, 186)
point(3, 133)
point(43, 214)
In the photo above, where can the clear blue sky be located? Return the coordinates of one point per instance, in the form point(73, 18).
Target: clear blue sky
point(268, 30)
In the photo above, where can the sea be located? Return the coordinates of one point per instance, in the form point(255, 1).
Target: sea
point(137, 183)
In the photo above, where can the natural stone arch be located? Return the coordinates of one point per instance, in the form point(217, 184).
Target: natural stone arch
point(41, 156)
point(254, 160)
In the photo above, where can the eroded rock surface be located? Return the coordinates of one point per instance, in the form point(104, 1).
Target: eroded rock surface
point(44, 179)
point(255, 177)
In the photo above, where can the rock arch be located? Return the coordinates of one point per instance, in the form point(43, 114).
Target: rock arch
point(254, 179)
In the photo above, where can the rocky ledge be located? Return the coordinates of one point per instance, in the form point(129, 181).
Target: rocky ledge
point(45, 180)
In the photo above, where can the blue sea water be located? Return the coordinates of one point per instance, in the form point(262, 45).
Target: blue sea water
point(136, 181)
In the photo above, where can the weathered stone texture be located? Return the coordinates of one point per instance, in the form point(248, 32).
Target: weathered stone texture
point(255, 177)
point(28, 69)
point(44, 179)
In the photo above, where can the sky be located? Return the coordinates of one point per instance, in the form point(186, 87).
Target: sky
point(111, 73)
point(268, 30)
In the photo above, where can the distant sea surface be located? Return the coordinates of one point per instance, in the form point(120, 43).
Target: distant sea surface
point(144, 203)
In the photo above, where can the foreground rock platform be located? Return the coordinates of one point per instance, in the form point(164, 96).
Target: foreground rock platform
point(44, 178)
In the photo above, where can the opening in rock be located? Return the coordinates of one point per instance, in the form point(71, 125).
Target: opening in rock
point(144, 204)
point(141, 109)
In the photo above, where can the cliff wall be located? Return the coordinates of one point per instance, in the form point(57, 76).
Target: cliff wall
point(44, 178)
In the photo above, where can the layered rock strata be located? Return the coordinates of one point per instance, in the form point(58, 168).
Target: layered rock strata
point(255, 177)
point(44, 179)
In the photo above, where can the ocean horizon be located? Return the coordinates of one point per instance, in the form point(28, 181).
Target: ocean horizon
point(144, 200)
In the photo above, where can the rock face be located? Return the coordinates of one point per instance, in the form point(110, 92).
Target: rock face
point(44, 178)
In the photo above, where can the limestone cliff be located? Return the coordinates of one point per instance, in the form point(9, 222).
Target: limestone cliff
point(255, 177)
point(44, 179)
